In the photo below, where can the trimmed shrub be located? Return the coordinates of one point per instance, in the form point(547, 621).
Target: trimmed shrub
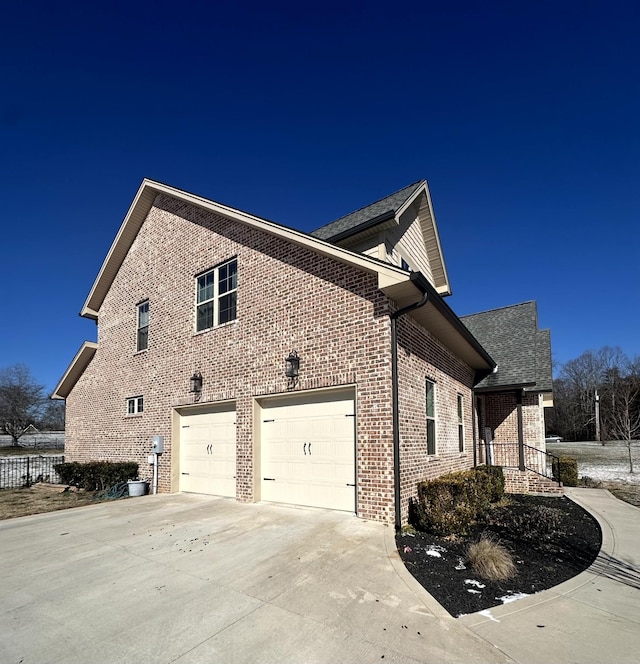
point(568, 470)
point(96, 475)
point(496, 483)
point(452, 503)
point(490, 560)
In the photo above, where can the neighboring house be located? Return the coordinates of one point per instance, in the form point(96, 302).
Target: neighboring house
point(195, 295)
point(510, 402)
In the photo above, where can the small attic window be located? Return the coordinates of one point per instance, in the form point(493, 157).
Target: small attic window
point(404, 265)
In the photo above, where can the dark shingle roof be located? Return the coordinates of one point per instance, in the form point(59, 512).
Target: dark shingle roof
point(383, 209)
point(512, 338)
point(544, 369)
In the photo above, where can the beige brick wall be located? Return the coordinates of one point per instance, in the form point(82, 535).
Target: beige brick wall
point(422, 357)
point(500, 414)
point(289, 298)
point(517, 481)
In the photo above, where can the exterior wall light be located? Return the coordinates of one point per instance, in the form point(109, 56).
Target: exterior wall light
point(292, 368)
point(195, 383)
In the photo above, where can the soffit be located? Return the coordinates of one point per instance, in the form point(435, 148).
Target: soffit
point(439, 319)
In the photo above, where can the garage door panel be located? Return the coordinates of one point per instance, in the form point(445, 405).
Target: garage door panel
point(308, 451)
point(208, 452)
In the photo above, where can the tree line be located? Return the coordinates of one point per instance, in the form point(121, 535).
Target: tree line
point(597, 397)
point(23, 402)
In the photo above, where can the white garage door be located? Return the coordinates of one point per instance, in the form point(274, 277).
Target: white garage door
point(208, 452)
point(308, 450)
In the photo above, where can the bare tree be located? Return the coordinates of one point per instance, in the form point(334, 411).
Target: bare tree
point(52, 416)
point(623, 416)
point(582, 377)
point(591, 376)
point(21, 400)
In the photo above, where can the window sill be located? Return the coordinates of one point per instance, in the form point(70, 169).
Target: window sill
point(197, 333)
point(141, 352)
point(433, 457)
point(130, 416)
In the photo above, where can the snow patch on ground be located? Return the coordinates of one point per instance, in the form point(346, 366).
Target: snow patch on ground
point(474, 592)
point(506, 599)
point(487, 614)
point(460, 564)
point(473, 582)
point(435, 551)
point(609, 462)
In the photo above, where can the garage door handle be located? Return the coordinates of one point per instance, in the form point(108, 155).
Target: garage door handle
point(350, 484)
point(269, 479)
point(304, 447)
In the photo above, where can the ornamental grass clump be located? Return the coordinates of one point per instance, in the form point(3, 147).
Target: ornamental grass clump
point(490, 560)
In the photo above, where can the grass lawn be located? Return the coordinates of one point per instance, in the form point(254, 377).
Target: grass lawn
point(29, 451)
point(22, 502)
point(630, 493)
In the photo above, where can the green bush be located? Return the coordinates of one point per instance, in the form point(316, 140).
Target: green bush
point(567, 467)
point(96, 475)
point(451, 504)
point(495, 485)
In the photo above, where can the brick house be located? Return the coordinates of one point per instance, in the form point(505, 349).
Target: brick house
point(510, 402)
point(198, 308)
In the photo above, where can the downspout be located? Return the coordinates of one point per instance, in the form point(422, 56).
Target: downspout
point(395, 401)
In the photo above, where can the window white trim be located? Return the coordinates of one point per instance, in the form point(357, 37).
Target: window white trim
point(142, 326)
point(430, 416)
point(216, 296)
point(135, 405)
point(461, 441)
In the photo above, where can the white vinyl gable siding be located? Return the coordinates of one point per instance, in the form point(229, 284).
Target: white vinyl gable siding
point(407, 242)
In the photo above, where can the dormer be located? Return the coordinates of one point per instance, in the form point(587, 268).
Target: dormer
point(399, 229)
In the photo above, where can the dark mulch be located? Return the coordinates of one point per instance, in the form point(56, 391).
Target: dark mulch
point(550, 539)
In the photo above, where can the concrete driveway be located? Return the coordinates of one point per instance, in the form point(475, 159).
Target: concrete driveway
point(188, 578)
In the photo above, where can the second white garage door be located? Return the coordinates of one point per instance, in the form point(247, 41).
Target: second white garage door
point(308, 450)
point(208, 451)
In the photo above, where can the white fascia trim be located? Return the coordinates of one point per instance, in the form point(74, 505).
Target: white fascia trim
point(447, 289)
point(422, 188)
point(79, 364)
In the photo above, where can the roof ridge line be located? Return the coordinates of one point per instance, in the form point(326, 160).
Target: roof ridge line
point(363, 207)
point(506, 306)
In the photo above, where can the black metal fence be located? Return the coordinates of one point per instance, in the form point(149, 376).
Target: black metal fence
point(17, 472)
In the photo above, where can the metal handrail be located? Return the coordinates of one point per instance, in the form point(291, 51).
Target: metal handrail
point(551, 461)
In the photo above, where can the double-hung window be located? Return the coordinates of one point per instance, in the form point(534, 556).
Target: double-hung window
point(431, 416)
point(135, 405)
point(460, 423)
point(216, 295)
point(142, 342)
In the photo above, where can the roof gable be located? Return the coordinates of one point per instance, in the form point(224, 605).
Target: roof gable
point(399, 285)
point(372, 214)
point(142, 203)
point(389, 214)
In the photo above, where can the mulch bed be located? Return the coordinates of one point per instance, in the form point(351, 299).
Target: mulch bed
point(551, 540)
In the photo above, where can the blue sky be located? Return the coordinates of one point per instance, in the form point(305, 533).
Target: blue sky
point(523, 117)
